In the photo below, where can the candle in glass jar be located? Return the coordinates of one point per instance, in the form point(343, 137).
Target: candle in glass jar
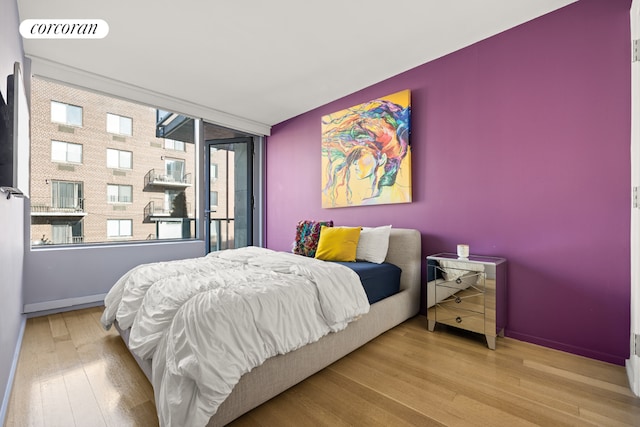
point(463, 251)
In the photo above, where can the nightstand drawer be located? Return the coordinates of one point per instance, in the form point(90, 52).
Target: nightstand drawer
point(464, 280)
point(469, 299)
point(464, 319)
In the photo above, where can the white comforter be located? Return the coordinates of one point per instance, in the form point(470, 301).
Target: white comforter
point(207, 321)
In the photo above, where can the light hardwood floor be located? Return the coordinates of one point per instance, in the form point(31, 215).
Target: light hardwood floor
point(73, 373)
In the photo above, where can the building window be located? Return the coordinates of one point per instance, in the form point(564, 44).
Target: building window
point(66, 114)
point(119, 125)
point(213, 199)
point(174, 170)
point(119, 228)
point(118, 159)
point(119, 193)
point(213, 173)
point(171, 144)
point(66, 195)
point(66, 152)
point(64, 233)
point(169, 197)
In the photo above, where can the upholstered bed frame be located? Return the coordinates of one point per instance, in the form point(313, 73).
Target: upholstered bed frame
point(284, 371)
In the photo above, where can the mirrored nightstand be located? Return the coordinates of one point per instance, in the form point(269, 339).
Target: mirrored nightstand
point(468, 293)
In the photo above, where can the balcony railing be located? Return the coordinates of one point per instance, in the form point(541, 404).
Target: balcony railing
point(156, 208)
point(161, 178)
point(71, 240)
point(222, 234)
point(58, 207)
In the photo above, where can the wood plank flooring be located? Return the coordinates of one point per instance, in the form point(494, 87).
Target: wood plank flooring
point(73, 373)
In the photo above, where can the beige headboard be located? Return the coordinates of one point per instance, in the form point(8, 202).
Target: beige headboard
point(405, 251)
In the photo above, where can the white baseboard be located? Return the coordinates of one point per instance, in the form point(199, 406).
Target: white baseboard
point(62, 303)
point(632, 376)
point(12, 373)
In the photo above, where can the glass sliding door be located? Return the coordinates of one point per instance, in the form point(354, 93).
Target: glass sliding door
point(66, 195)
point(229, 206)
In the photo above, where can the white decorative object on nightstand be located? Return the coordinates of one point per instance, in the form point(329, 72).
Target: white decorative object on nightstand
point(467, 293)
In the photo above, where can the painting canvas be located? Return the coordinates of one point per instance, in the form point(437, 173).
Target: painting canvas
point(366, 155)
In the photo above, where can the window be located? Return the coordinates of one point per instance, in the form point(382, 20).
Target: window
point(119, 125)
point(118, 159)
point(119, 193)
point(213, 199)
point(66, 232)
point(66, 152)
point(213, 172)
point(119, 227)
point(171, 144)
point(81, 179)
point(66, 196)
point(174, 169)
point(66, 114)
point(169, 197)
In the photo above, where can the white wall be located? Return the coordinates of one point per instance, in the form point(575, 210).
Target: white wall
point(12, 226)
point(633, 363)
point(11, 271)
point(58, 278)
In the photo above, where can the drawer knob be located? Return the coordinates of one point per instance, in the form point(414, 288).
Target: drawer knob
point(458, 300)
point(458, 319)
point(458, 280)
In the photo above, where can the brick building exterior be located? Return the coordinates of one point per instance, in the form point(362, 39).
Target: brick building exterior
point(100, 174)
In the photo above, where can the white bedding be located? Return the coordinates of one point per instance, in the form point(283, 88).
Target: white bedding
point(207, 321)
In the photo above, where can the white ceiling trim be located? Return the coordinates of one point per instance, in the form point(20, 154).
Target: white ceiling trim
point(47, 69)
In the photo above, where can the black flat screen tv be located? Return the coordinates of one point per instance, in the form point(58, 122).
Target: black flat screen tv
point(6, 146)
point(15, 134)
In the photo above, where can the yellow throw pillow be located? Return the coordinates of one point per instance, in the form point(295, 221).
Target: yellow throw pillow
point(338, 243)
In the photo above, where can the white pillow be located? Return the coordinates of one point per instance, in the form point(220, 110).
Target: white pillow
point(373, 244)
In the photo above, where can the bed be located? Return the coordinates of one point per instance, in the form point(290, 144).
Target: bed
point(283, 371)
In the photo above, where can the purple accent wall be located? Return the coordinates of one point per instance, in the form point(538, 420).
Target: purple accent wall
point(521, 149)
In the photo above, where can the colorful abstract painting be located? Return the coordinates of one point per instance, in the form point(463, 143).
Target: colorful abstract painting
point(366, 155)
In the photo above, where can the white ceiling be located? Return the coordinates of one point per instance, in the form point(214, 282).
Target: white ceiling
point(268, 61)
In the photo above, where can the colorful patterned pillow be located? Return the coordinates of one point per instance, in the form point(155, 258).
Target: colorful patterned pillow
point(307, 237)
